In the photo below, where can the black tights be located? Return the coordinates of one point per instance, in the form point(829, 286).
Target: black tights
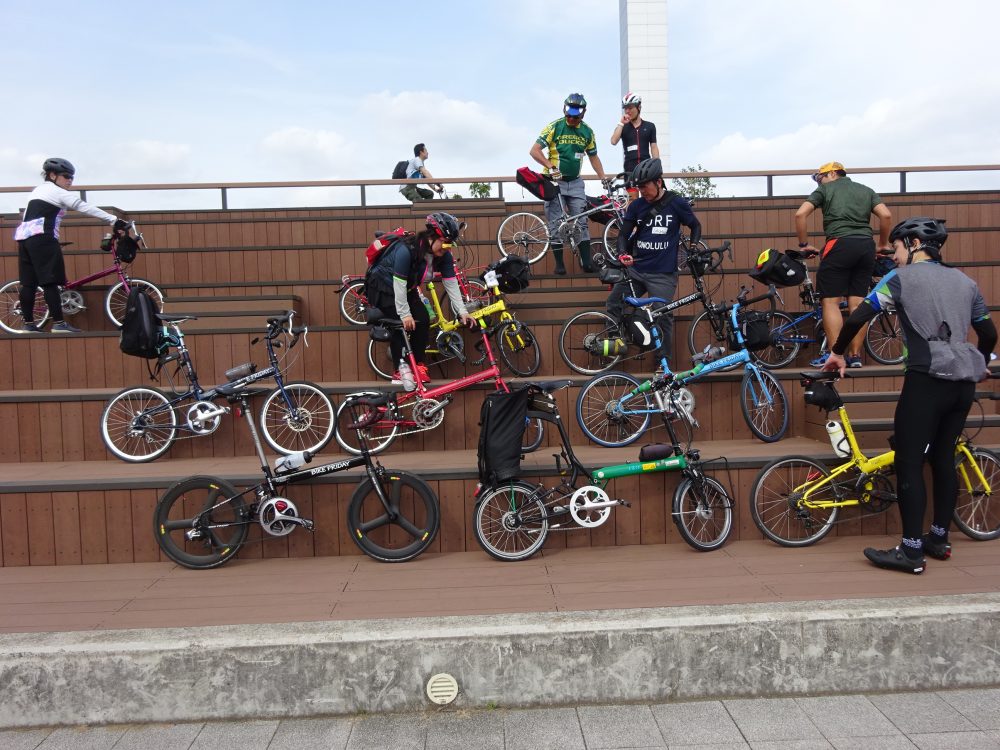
point(418, 337)
point(53, 298)
point(929, 418)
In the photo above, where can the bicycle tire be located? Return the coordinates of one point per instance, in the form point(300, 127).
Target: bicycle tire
point(11, 319)
point(477, 295)
point(599, 412)
point(977, 513)
point(534, 433)
point(522, 234)
point(518, 349)
point(510, 522)
point(173, 520)
point(131, 432)
point(610, 237)
point(305, 426)
point(768, 422)
point(704, 522)
point(353, 303)
point(769, 502)
point(779, 353)
point(884, 340)
point(380, 358)
point(701, 334)
point(580, 331)
point(116, 299)
point(377, 437)
point(409, 531)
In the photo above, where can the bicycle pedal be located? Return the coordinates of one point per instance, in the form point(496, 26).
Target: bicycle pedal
point(308, 524)
point(626, 503)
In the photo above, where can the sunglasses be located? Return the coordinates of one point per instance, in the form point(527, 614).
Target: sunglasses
point(818, 178)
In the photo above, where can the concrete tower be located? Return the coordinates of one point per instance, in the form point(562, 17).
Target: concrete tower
point(643, 42)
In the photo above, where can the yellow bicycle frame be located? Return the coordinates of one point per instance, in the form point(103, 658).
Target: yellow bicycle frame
point(498, 307)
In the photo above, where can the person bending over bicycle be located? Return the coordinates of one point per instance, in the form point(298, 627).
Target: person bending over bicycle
point(566, 141)
point(392, 285)
point(648, 242)
point(40, 259)
point(936, 305)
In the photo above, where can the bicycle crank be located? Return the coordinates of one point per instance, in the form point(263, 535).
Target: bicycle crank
point(278, 516)
point(71, 302)
point(590, 506)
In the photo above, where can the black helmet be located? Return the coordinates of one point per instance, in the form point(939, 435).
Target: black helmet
point(446, 226)
point(929, 231)
point(59, 166)
point(651, 169)
point(575, 105)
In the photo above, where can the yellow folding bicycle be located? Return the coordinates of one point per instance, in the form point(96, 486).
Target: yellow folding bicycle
point(795, 500)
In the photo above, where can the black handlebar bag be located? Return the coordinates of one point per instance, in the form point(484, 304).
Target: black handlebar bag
point(776, 268)
point(537, 184)
point(502, 421)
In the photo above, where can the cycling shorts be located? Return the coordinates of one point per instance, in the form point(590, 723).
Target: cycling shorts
point(845, 268)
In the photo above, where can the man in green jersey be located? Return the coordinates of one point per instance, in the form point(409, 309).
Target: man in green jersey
point(560, 149)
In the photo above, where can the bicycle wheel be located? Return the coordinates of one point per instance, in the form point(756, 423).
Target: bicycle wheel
point(117, 298)
point(610, 237)
point(702, 334)
point(138, 425)
point(606, 416)
point(523, 234)
point(511, 522)
point(884, 340)
point(402, 531)
point(776, 507)
point(301, 419)
point(353, 303)
point(476, 295)
point(196, 526)
point(11, 319)
point(784, 344)
point(977, 514)
point(518, 349)
point(581, 339)
point(376, 437)
point(703, 512)
point(380, 359)
point(768, 420)
point(534, 432)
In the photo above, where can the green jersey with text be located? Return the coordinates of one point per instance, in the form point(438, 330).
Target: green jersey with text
point(568, 145)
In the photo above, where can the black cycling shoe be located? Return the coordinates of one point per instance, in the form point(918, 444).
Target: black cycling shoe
point(895, 559)
point(937, 549)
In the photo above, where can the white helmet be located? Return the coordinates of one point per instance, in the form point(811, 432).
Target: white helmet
point(631, 100)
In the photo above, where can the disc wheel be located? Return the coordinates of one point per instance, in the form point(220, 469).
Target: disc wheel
point(303, 422)
point(606, 416)
point(11, 319)
point(784, 344)
point(138, 425)
point(764, 405)
point(353, 303)
point(196, 526)
point(402, 530)
point(117, 299)
point(510, 522)
point(375, 437)
point(523, 234)
point(977, 513)
point(581, 339)
point(776, 502)
point(703, 512)
point(884, 340)
point(518, 349)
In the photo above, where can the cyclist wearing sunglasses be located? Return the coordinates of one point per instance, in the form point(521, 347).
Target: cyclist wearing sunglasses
point(637, 136)
point(40, 259)
point(392, 285)
point(560, 149)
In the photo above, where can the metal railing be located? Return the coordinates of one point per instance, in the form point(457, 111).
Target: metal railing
point(766, 175)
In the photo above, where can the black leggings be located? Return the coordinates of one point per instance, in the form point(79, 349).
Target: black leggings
point(419, 337)
point(929, 418)
point(40, 265)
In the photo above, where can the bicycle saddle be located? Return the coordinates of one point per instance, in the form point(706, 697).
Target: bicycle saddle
point(645, 301)
point(548, 386)
point(168, 318)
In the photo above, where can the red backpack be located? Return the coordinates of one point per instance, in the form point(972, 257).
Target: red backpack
point(382, 241)
point(539, 185)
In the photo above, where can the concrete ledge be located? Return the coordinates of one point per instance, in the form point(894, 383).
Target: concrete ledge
point(683, 653)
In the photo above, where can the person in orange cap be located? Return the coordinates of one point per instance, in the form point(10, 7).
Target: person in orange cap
point(848, 256)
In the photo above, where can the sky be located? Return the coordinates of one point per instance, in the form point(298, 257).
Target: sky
point(225, 91)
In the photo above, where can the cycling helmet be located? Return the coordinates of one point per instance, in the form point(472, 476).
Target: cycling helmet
point(651, 169)
point(575, 105)
point(59, 166)
point(446, 226)
point(929, 231)
point(631, 100)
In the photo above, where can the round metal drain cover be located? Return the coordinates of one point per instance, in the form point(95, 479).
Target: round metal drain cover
point(442, 688)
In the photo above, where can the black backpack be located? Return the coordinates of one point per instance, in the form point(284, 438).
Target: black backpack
point(140, 334)
point(399, 173)
point(501, 432)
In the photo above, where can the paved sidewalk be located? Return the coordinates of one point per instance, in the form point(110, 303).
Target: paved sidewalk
point(945, 720)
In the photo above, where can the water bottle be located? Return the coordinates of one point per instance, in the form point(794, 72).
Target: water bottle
point(837, 439)
point(429, 306)
point(406, 376)
point(290, 463)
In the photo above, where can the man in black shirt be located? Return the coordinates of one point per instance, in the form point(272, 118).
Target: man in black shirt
point(638, 136)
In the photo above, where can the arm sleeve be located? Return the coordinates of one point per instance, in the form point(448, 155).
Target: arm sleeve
point(592, 145)
point(76, 203)
point(987, 335)
point(689, 219)
point(816, 198)
point(399, 297)
point(854, 323)
point(652, 133)
point(628, 227)
point(455, 295)
point(400, 275)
